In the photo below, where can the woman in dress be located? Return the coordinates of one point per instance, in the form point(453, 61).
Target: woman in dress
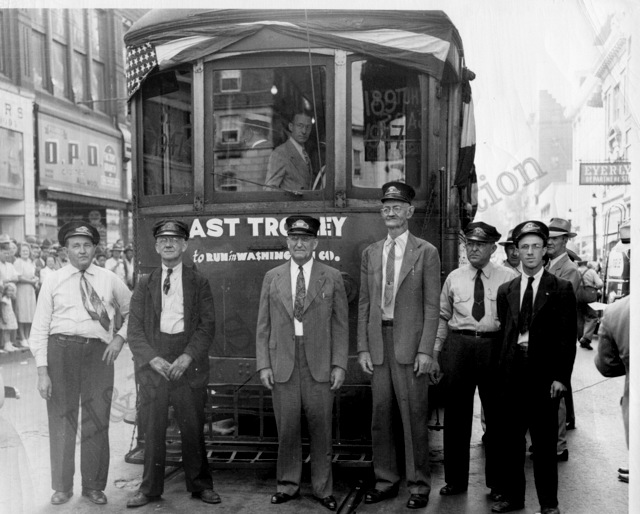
point(26, 297)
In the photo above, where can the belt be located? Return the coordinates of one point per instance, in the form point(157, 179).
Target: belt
point(387, 322)
point(473, 333)
point(76, 339)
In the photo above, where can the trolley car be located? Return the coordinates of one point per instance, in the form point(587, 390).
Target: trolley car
point(211, 95)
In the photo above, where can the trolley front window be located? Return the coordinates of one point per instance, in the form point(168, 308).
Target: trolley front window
point(167, 133)
point(386, 125)
point(268, 130)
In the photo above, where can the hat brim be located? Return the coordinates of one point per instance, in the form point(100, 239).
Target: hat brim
point(556, 233)
point(167, 233)
point(505, 243)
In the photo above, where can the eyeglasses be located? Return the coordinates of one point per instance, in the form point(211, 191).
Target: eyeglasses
point(534, 247)
point(163, 240)
point(397, 209)
point(300, 239)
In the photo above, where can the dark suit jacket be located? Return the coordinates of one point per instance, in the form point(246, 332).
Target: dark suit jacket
point(287, 169)
point(417, 304)
point(199, 322)
point(552, 335)
point(326, 331)
point(612, 359)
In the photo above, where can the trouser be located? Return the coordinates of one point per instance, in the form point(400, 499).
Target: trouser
point(528, 405)
point(392, 380)
point(156, 394)
point(300, 392)
point(467, 363)
point(588, 321)
point(80, 380)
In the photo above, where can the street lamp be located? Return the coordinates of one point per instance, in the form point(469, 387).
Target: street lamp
point(594, 204)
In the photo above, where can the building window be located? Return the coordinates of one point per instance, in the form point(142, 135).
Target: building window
point(59, 69)
point(3, 41)
point(51, 152)
point(39, 56)
point(73, 153)
point(98, 57)
point(92, 156)
point(230, 81)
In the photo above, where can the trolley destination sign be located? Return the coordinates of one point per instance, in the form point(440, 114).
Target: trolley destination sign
point(604, 173)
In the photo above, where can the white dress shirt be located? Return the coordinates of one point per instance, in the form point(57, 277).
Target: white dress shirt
point(401, 245)
point(172, 315)
point(306, 270)
point(524, 280)
point(60, 309)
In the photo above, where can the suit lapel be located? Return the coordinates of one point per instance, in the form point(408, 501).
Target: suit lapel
point(187, 296)
point(283, 284)
point(542, 294)
point(513, 297)
point(376, 261)
point(316, 281)
point(409, 258)
point(155, 290)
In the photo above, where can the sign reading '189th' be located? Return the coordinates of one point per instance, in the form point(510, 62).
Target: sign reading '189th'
point(605, 173)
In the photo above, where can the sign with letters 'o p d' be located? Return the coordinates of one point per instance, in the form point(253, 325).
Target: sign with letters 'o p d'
point(605, 173)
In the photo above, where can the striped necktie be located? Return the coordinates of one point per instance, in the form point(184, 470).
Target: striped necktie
point(301, 292)
point(167, 281)
point(390, 274)
point(92, 303)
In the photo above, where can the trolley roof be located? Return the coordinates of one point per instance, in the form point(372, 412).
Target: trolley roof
point(422, 40)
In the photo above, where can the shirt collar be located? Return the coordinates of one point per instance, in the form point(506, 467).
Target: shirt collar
point(486, 271)
point(556, 259)
point(176, 269)
point(306, 267)
point(400, 241)
point(536, 278)
point(297, 145)
point(71, 269)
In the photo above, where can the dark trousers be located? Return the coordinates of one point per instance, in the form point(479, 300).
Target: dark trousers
point(300, 392)
point(467, 364)
point(156, 394)
point(80, 380)
point(528, 405)
point(394, 380)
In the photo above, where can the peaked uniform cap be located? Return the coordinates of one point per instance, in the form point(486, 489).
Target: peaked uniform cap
point(78, 228)
point(532, 227)
point(303, 225)
point(481, 231)
point(509, 240)
point(560, 227)
point(170, 227)
point(397, 191)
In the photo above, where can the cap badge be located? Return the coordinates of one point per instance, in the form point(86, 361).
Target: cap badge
point(300, 224)
point(83, 230)
point(393, 190)
point(529, 226)
point(478, 232)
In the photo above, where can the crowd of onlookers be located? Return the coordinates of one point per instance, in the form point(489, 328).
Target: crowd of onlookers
point(24, 265)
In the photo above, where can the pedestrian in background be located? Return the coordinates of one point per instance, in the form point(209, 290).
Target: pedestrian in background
point(587, 292)
point(8, 320)
point(397, 324)
point(612, 359)
point(26, 294)
point(171, 328)
point(74, 347)
point(511, 252)
point(467, 345)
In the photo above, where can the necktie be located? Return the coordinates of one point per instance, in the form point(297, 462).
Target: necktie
point(478, 298)
point(301, 292)
point(526, 309)
point(306, 159)
point(92, 303)
point(167, 281)
point(390, 271)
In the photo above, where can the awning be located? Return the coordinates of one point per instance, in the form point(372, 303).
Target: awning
point(422, 40)
point(63, 196)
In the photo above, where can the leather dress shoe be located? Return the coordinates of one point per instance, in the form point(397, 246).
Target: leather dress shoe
point(550, 510)
point(207, 496)
point(563, 457)
point(328, 502)
point(283, 497)
point(94, 495)
point(507, 506)
point(450, 490)
point(418, 501)
point(375, 495)
point(571, 425)
point(140, 499)
point(496, 496)
point(60, 497)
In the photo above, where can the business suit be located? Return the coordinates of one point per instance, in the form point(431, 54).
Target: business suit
point(612, 359)
point(415, 323)
point(302, 368)
point(188, 393)
point(525, 380)
point(287, 169)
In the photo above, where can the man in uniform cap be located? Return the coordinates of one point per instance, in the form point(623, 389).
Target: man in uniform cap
point(511, 251)
point(171, 328)
point(397, 324)
point(468, 337)
point(302, 339)
point(114, 263)
point(561, 265)
point(537, 314)
point(74, 348)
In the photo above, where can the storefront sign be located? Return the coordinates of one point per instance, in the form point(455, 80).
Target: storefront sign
point(15, 125)
point(79, 160)
point(605, 173)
